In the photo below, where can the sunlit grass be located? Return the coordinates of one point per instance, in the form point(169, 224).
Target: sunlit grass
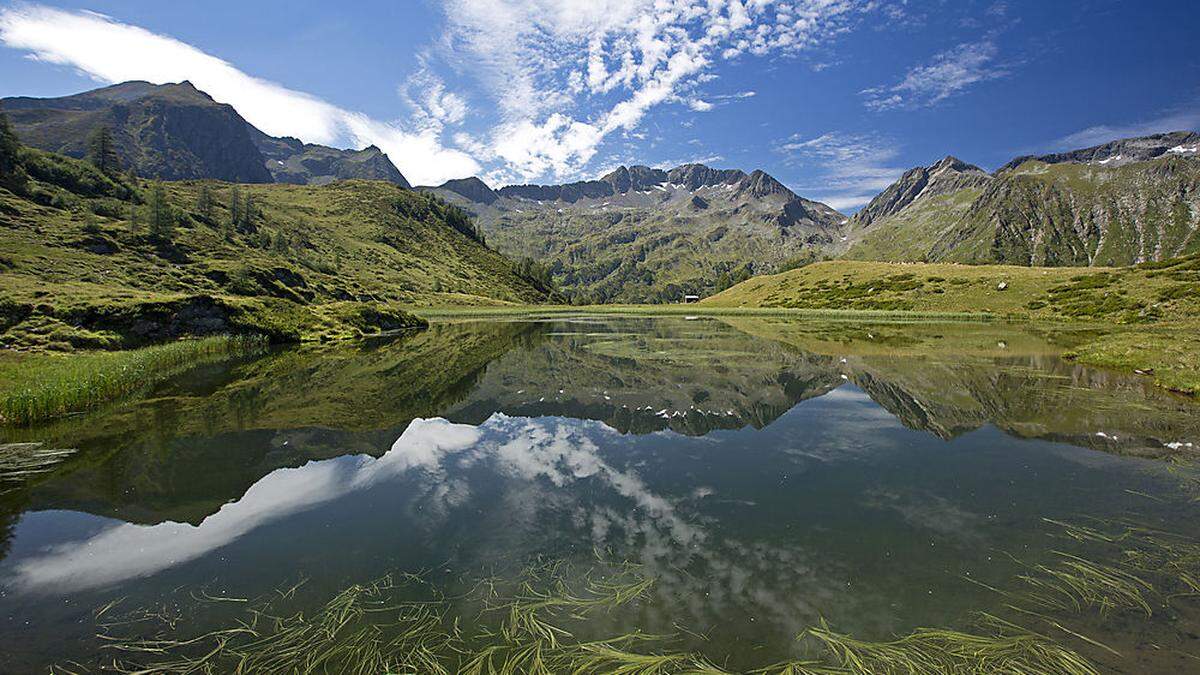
point(43, 387)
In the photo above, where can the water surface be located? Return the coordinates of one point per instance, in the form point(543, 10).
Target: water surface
point(767, 474)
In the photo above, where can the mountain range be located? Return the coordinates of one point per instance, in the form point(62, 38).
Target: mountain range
point(642, 234)
point(177, 132)
point(1120, 203)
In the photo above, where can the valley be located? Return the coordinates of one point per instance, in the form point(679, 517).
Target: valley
point(634, 337)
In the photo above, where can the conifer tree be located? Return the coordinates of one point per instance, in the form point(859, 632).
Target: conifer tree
point(10, 147)
point(249, 212)
point(135, 222)
point(235, 209)
point(12, 174)
point(204, 203)
point(162, 216)
point(102, 152)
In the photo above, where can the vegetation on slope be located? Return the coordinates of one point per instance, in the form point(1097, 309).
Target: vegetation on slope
point(96, 260)
point(648, 235)
point(913, 232)
point(1080, 214)
point(1034, 213)
point(1124, 295)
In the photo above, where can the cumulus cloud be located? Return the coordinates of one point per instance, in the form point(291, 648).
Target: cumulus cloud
point(854, 167)
point(566, 74)
point(109, 52)
point(949, 73)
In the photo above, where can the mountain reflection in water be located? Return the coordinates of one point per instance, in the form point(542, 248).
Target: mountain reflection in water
point(766, 473)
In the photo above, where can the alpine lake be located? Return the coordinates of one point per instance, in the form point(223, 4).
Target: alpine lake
point(616, 495)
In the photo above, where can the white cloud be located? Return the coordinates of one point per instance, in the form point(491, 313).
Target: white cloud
point(1188, 120)
point(947, 74)
point(855, 167)
point(109, 51)
point(433, 105)
point(568, 73)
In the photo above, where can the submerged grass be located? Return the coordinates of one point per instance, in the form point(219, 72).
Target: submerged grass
point(21, 461)
point(41, 388)
point(381, 628)
point(1003, 648)
point(536, 623)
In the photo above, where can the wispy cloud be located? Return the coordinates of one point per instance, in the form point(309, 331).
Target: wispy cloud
point(1182, 120)
point(854, 167)
point(949, 73)
point(109, 51)
point(567, 75)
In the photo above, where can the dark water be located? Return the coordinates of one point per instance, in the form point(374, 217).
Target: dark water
point(766, 474)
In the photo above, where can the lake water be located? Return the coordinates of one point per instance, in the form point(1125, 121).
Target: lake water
point(744, 479)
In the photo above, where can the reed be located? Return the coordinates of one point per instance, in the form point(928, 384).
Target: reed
point(46, 387)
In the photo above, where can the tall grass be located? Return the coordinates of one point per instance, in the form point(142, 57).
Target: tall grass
point(41, 388)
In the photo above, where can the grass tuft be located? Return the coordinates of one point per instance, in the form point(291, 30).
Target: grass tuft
point(43, 388)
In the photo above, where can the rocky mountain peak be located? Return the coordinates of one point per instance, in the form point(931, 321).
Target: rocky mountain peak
point(945, 176)
point(472, 188)
point(635, 178)
point(952, 163)
point(761, 184)
point(696, 176)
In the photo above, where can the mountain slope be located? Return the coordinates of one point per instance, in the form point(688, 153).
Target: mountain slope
point(177, 132)
point(1120, 203)
point(171, 131)
point(310, 261)
point(1081, 214)
point(907, 219)
point(640, 234)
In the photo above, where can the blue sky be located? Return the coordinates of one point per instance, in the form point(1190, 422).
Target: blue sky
point(834, 97)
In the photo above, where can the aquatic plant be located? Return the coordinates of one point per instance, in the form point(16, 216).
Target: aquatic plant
point(44, 387)
point(20, 461)
point(1004, 647)
point(380, 627)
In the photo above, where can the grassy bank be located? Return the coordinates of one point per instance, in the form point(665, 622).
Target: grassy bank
point(37, 388)
point(1171, 355)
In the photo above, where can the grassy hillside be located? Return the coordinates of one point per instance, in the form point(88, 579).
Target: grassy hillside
point(1128, 295)
point(81, 266)
point(1157, 305)
point(912, 233)
point(636, 255)
point(1082, 214)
